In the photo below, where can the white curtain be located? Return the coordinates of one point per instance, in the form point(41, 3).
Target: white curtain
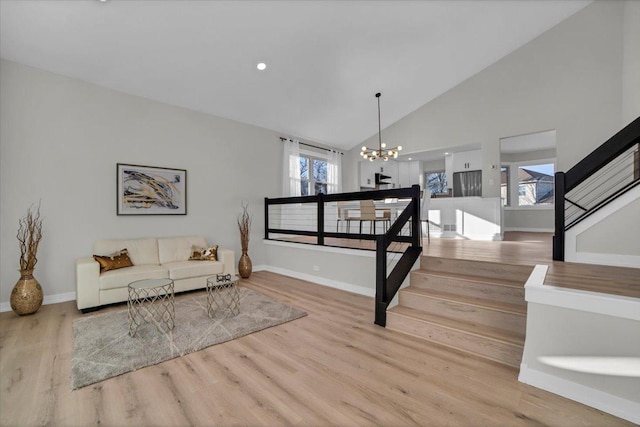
point(291, 169)
point(334, 172)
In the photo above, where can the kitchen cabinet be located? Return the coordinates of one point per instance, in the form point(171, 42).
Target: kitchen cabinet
point(368, 170)
point(408, 173)
point(467, 161)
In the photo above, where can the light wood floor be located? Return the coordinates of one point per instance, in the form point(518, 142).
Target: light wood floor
point(333, 367)
point(527, 249)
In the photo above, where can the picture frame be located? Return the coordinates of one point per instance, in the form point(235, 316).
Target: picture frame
point(151, 190)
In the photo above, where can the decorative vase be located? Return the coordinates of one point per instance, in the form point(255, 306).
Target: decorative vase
point(26, 296)
point(244, 265)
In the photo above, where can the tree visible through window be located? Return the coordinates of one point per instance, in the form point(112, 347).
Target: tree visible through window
point(437, 182)
point(313, 176)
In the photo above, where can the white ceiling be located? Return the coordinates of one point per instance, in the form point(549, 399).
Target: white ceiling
point(325, 59)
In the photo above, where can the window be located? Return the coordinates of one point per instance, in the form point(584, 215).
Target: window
point(536, 184)
point(437, 182)
point(504, 186)
point(528, 184)
point(313, 176)
point(467, 184)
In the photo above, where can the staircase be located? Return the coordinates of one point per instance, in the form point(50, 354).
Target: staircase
point(474, 306)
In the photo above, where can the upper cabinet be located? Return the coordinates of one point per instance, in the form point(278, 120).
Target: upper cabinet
point(369, 169)
point(408, 173)
point(367, 175)
point(467, 161)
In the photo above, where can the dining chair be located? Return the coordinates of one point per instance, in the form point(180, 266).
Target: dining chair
point(368, 213)
point(424, 210)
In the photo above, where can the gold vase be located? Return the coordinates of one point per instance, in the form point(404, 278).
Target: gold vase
point(26, 296)
point(244, 265)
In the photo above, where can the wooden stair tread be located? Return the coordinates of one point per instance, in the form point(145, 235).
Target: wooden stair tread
point(479, 269)
point(522, 267)
point(518, 309)
point(467, 327)
point(469, 278)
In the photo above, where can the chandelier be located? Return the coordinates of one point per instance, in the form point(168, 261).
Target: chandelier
point(382, 152)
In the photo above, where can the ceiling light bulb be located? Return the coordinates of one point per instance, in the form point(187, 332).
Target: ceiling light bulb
point(399, 147)
point(262, 66)
point(384, 145)
point(365, 156)
point(371, 159)
point(395, 155)
point(409, 158)
point(364, 148)
point(386, 158)
point(373, 152)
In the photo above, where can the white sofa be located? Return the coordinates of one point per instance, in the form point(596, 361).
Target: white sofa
point(152, 259)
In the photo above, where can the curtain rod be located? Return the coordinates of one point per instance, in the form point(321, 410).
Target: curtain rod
point(283, 139)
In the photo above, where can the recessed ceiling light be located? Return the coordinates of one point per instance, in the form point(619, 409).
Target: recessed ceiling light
point(262, 66)
point(409, 158)
point(446, 154)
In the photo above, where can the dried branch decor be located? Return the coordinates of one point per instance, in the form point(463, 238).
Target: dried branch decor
point(29, 235)
point(244, 224)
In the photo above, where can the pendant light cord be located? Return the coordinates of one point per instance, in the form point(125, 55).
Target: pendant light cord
point(379, 126)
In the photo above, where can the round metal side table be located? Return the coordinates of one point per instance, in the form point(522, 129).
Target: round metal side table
point(151, 301)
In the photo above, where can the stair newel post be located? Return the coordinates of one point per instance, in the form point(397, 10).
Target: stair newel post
point(415, 214)
point(381, 281)
point(558, 238)
point(320, 219)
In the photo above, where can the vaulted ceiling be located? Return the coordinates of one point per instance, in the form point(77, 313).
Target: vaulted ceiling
point(325, 59)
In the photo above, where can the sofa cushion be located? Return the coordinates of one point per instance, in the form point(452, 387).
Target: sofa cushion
point(188, 269)
point(114, 261)
point(141, 251)
point(173, 249)
point(122, 277)
point(204, 254)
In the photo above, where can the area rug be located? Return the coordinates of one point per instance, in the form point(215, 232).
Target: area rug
point(102, 347)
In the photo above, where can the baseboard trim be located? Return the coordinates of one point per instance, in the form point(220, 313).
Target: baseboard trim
point(48, 299)
point(603, 401)
point(343, 286)
point(529, 230)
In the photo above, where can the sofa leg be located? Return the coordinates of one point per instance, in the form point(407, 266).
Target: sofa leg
point(90, 309)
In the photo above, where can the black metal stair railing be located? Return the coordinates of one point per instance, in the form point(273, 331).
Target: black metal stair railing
point(309, 220)
point(608, 172)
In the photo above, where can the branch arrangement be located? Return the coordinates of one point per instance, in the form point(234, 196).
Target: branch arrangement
point(29, 235)
point(244, 224)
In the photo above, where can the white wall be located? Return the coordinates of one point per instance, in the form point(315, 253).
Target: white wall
point(346, 269)
point(596, 238)
point(568, 79)
point(554, 331)
point(60, 140)
point(631, 62)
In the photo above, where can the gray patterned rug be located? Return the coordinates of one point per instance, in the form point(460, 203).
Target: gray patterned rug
point(102, 347)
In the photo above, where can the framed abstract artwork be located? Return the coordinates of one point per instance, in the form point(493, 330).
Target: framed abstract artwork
point(150, 190)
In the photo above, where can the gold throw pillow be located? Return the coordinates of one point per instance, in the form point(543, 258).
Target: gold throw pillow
point(114, 261)
point(204, 254)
